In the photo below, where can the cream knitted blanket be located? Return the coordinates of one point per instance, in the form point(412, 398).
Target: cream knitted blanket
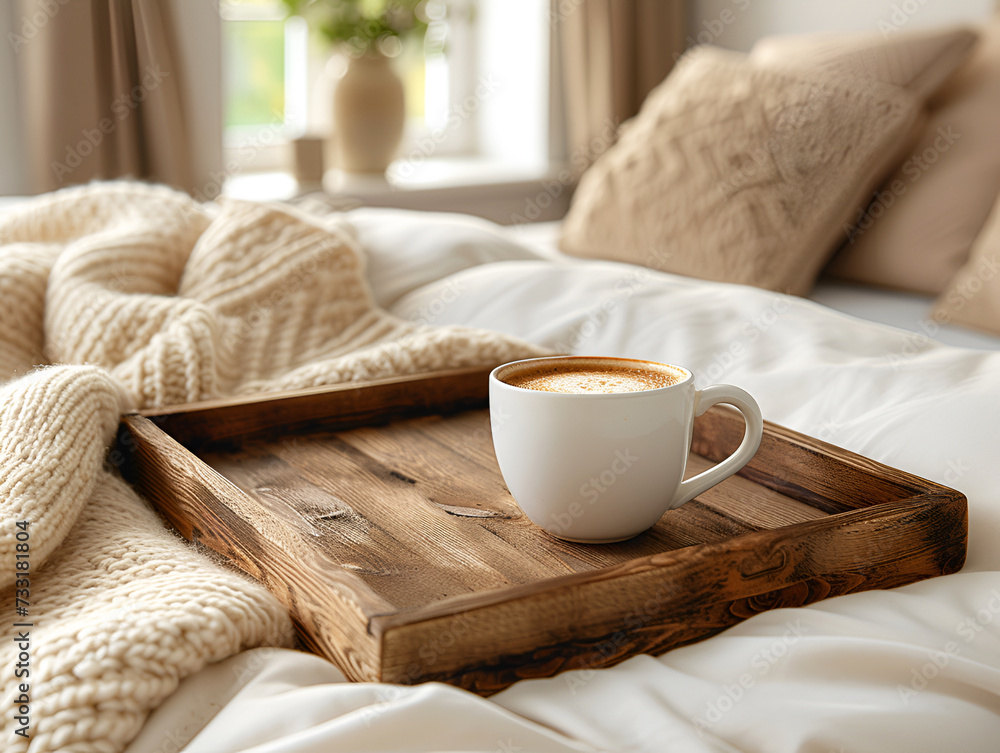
point(154, 300)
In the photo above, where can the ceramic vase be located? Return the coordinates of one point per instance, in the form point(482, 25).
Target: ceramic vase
point(368, 114)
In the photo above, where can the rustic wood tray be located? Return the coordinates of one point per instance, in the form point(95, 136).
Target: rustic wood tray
point(378, 515)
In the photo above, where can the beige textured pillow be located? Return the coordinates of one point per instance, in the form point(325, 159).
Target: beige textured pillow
point(919, 61)
point(750, 172)
point(919, 229)
point(972, 297)
point(739, 173)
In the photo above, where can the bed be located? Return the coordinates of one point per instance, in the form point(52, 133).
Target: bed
point(913, 669)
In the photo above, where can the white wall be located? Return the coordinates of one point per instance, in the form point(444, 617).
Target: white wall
point(737, 24)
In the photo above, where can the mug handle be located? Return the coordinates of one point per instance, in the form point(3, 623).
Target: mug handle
point(745, 404)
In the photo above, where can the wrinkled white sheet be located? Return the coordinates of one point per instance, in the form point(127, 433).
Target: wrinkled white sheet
point(909, 311)
point(913, 669)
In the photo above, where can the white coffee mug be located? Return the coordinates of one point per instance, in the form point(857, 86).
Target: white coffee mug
point(604, 467)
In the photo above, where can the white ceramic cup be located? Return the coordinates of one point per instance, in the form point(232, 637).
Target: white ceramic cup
point(599, 468)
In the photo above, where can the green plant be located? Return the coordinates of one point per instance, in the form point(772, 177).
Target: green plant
point(363, 26)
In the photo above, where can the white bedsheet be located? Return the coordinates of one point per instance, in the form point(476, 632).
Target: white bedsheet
point(913, 669)
point(907, 311)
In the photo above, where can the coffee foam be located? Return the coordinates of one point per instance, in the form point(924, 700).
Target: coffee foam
point(596, 378)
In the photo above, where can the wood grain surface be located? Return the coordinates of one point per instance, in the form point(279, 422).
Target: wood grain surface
point(403, 557)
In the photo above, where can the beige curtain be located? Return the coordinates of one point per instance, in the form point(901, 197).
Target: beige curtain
point(613, 53)
point(101, 89)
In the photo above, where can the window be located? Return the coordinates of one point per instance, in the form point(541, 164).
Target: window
point(476, 87)
point(265, 83)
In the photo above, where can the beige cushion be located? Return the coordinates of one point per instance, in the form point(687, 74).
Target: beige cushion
point(918, 61)
point(739, 173)
point(918, 231)
point(972, 297)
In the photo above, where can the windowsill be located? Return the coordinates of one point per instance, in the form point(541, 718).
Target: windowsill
point(262, 186)
point(497, 191)
point(451, 172)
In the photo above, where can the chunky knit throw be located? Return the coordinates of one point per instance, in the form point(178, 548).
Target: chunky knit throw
point(147, 298)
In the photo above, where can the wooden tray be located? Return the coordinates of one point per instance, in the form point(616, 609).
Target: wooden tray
point(403, 558)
